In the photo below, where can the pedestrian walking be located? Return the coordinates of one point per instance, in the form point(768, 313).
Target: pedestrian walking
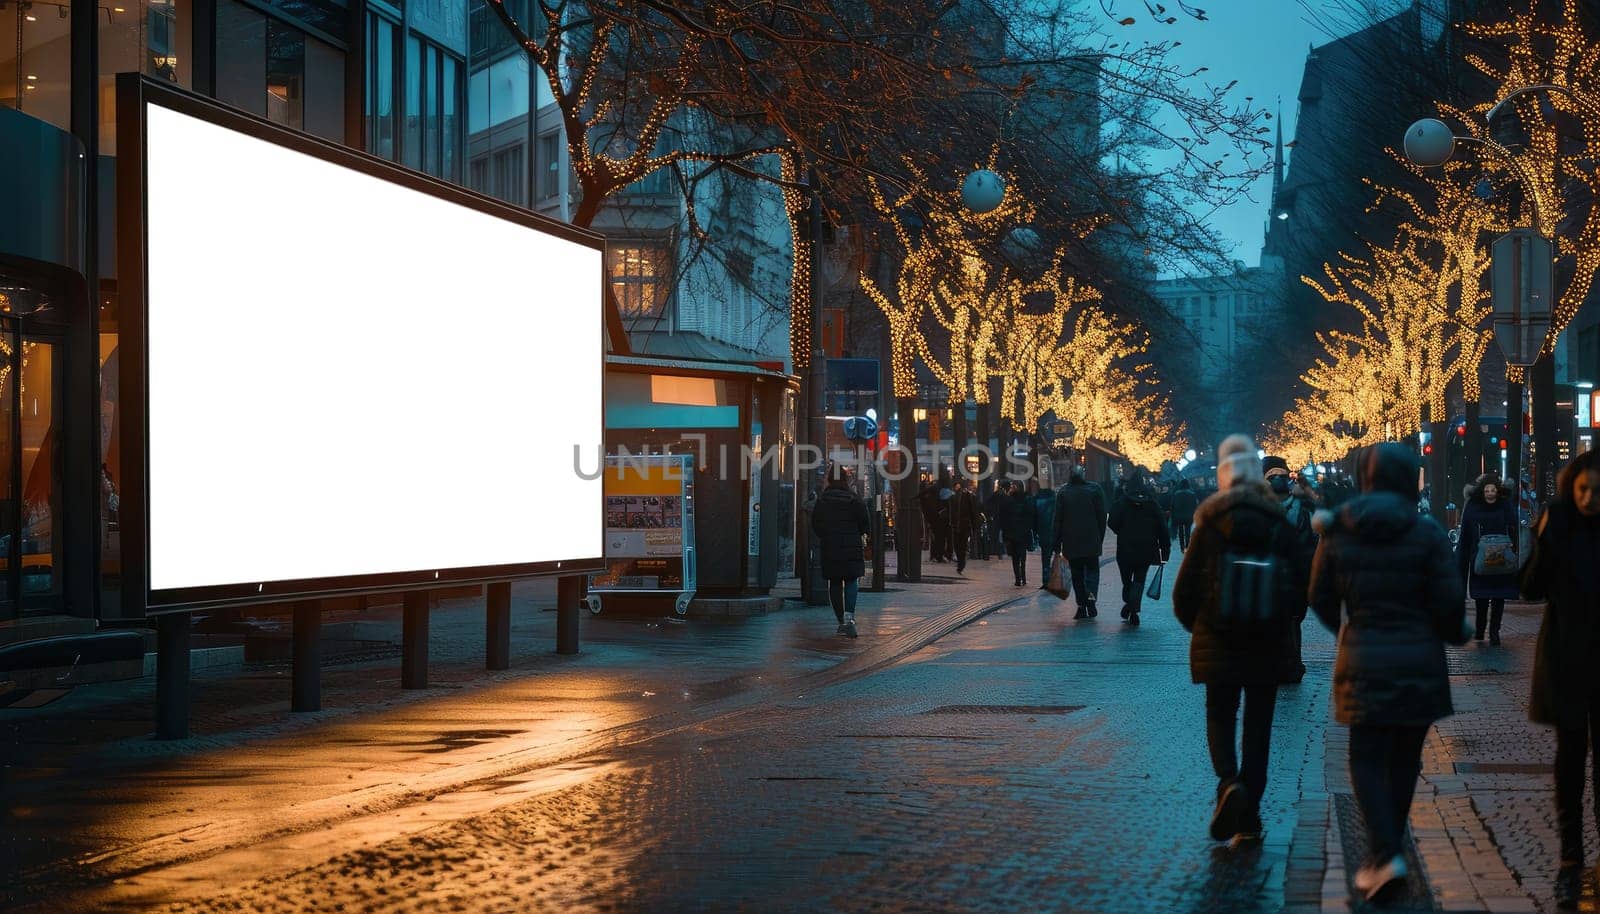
point(1080, 537)
point(1184, 504)
point(1142, 540)
point(1486, 553)
point(1044, 530)
point(839, 521)
point(1017, 525)
point(963, 519)
point(1564, 571)
point(933, 515)
point(1240, 592)
point(1385, 581)
point(1298, 507)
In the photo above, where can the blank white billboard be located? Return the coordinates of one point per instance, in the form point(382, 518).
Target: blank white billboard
point(349, 377)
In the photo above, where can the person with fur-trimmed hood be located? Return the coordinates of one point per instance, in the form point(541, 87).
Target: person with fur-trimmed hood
point(1241, 593)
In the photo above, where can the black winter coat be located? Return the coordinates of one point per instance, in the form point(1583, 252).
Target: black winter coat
point(1562, 569)
point(1392, 570)
point(1141, 528)
point(1080, 519)
point(1184, 504)
point(1245, 520)
point(1017, 519)
point(838, 521)
point(1483, 519)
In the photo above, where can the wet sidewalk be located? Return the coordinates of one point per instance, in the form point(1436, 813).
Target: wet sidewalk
point(90, 797)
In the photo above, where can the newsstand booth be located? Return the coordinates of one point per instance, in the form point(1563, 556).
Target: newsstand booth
point(340, 377)
point(738, 422)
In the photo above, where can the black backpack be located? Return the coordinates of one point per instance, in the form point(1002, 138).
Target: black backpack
point(1250, 585)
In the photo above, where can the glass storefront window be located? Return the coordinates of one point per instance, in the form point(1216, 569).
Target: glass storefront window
point(35, 54)
point(286, 66)
point(324, 96)
point(411, 142)
point(381, 87)
point(241, 57)
point(449, 121)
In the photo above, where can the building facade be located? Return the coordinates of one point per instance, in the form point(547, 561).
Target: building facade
point(434, 85)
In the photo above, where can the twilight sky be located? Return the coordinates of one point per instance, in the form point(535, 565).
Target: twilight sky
point(1262, 44)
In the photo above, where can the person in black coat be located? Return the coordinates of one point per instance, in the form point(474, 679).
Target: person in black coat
point(1044, 530)
point(1490, 511)
point(1238, 649)
point(838, 521)
point(1080, 536)
point(1016, 523)
point(1564, 570)
point(1184, 504)
point(1384, 574)
point(1142, 540)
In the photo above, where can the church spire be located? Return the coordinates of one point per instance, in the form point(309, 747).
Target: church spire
point(1277, 159)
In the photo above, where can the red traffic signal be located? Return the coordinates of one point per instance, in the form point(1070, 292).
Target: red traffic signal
point(1427, 448)
point(1502, 444)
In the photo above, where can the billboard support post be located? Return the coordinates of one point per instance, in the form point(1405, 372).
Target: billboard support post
point(497, 627)
point(306, 685)
point(569, 596)
point(414, 641)
point(172, 676)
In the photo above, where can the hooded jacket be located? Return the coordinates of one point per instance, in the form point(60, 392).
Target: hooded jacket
point(1244, 520)
point(1141, 528)
point(1080, 519)
point(1184, 505)
point(1017, 518)
point(839, 520)
point(1392, 571)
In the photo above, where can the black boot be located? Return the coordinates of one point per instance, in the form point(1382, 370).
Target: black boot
point(1569, 886)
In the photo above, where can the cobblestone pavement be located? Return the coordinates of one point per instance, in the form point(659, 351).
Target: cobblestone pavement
point(976, 749)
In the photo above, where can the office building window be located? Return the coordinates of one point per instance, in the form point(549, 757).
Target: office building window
point(549, 166)
point(273, 69)
point(382, 80)
point(432, 139)
point(509, 168)
point(1213, 306)
point(641, 277)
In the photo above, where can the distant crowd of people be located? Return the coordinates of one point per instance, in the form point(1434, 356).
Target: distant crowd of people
point(1265, 548)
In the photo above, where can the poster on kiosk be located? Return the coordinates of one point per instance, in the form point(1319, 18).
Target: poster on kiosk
point(339, 376)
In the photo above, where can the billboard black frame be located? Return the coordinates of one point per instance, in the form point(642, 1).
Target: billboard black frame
point(134, 92)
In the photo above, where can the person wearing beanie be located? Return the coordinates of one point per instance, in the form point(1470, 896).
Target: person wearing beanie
point(1386, 583)
point(1080, 533)
point(1240, 592)
point(1142, 540)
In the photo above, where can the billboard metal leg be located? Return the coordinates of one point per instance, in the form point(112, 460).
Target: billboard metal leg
point(306, 688)
point(414, 641)
point(172, 676)
point(569, 597)
point(497, 627)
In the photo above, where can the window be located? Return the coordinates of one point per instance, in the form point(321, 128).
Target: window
point(509, 167)
point(381, 82)
point(432, 139)
point(549, 166)
point(641, 277)
point(1589, 354)
point(656, 183)
point(272, 69)
point(1213, 306)
point(478, 175)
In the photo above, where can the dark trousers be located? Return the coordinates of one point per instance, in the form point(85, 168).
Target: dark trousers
point(1133, 577)
point(959, 540)
point(1573, 749)
point(1047, 559)
point(1490, 612)
point(842, 594)
point(1018, 550)
point(938, 540)
point(1085, 580)
point(1384, 765)
point(1222, 716)
point(1183, 534)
